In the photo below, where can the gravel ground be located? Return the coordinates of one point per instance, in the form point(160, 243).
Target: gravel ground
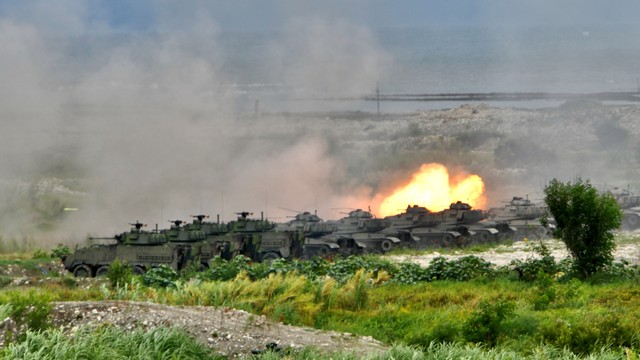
point(229, 332)
point(522, 250)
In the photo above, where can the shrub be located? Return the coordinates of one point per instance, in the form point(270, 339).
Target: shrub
point(161, 276)
point(60, 251)
point(223, 270)
point(119, 274)
point(463, 269)
point(485, 325)
point(531, 268)
point(40, 254)
point(584, 221)
point(410, 273)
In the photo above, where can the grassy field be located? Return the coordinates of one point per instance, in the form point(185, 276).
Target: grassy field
point(450, 309)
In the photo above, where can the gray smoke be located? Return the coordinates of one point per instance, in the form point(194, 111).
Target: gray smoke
point(102, 128)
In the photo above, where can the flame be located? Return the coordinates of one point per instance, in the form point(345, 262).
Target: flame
point(433, 188)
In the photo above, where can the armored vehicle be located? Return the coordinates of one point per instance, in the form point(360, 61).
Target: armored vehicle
point(630, 205)
point(257, 239)
point(139, 248)
point(463, 216)
point(420, 228)
point(523, 215)
point(311, 225)
point(365, 230)
point(318, 240)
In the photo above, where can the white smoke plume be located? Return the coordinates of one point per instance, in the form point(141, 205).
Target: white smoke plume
point(119, 127)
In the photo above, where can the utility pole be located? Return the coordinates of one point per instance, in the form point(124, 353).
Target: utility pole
point(378, 95)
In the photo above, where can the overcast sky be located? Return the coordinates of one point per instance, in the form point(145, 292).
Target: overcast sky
point(72, 16)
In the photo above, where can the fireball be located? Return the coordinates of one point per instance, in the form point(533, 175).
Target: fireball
point(433, 188)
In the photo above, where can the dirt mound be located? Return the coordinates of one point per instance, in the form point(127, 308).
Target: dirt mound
point(230, 332)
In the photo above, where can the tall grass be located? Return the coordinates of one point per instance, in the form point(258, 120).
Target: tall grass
point(107, 343)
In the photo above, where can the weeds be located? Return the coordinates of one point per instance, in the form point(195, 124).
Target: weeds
point(108, 342)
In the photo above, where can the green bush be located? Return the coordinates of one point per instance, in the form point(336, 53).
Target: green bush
point(485, 325)
point(60, 251)
point(590, 332)
point(119, 274)
point(223, 270)
point(410, 273)
point(161, 276)
point(584, 222)
point(40, 254)
point(463, 269)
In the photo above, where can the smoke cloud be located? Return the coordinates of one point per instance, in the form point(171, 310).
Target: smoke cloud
point(102, 128)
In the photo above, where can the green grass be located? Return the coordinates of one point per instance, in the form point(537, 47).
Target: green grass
point(108, 343)
point(584, 318)
point(172, 343)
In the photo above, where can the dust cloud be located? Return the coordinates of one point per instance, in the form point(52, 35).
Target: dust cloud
point(102, 127)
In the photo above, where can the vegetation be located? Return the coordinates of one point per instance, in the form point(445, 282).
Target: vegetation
point(537, 308)
point(107, 343)
point(584, 222)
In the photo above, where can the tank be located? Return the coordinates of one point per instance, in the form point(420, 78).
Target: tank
point(364, 230)
point(473, 224)
point(139, 248)
point(311, 225)
point(630, 205)
point(421, 228)
point(318, 240)
point(523, 215)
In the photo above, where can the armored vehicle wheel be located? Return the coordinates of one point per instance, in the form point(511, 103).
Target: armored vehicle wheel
point(386, 245)
point(447, 239)
point(270, 256)
point(82, 271)
point(102, 271)
point(483, 236)
point(138, 270)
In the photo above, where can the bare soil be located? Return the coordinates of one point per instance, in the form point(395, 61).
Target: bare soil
point(230, 332)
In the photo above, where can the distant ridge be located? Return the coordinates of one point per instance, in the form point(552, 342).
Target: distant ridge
point(508, 96)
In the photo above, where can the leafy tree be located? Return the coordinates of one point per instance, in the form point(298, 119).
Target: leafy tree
point(584, 220)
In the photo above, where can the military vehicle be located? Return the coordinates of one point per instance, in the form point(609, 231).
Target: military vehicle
point(363, 230)
point(420, 228)
point(318, 238)
point(630, 205)
point(256, 239)
point(471, 223)
point(523, 215)
point(311, 225)
point(139, 248)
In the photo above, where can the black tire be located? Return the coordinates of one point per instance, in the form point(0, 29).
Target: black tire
point(447, 239)
point(483, 237)
point(138, 270)
point(102, 271)
point(386, 245)
point(270, 256)
point(82, 271)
